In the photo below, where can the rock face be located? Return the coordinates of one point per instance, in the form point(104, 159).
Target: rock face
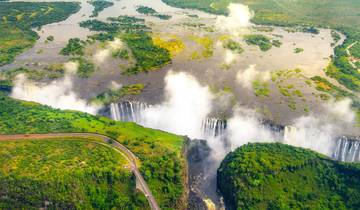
point(347, 149)
point(202, 176)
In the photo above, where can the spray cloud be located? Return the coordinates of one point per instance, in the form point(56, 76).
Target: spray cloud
point(245, 127)
point(187, 104)
point(318, 131)
point(237, 20)
point(57, 94)
point(103, 54)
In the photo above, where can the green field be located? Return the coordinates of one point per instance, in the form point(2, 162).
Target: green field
point(278, 176)
point(65, 174)
point(342, 15)
point(17, 19)
point(162, 162)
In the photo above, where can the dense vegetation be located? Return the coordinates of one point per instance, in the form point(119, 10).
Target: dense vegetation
point(262, 41)
point(298, 50)
point(162, 161)
point(233, 46)
point(65, 174)
point(136, 35)
point(278, 176)
point(150, 11)
point(355, 50)
point(85, 68)
point(111, 96)
point(340, 15)
point(52, 71)
point(74, 47)
point(17, 19)
point(99, 5)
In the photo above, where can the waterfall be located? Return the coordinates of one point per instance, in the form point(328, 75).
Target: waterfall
point(214, 127)
point(128, 111)
point(290, 135)
point(347, 149)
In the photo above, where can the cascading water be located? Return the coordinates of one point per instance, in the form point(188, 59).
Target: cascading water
point(347, 149)
point(128, 111)
point(289, 135)
point(214, 127)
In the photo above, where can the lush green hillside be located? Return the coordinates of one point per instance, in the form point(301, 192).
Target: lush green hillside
point(65, 174)
point(17, 19)
point(162, 161)
point(342, 15)
point(277, 176)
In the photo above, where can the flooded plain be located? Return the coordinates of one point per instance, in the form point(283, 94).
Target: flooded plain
point(222, 71)
point(215, 71)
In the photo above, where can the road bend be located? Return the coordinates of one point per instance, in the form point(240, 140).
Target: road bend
point(121, 148)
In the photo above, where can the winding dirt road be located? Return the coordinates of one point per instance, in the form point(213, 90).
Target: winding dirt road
point(122, 149)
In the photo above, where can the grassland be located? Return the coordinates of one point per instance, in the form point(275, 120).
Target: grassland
point(207, 45)
point(291, 93)
point(162, 162)
point(278, 176)
point(65, 174)
point(17, 19)
point(261, 88)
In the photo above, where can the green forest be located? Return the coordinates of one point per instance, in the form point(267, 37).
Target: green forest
point(162, 162)
point(277, 176)
point(17, 20)
point(65, 174)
